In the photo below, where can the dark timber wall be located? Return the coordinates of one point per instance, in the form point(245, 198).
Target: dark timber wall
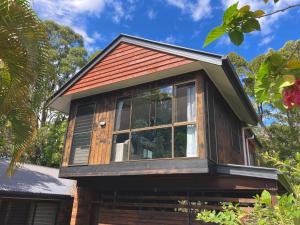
point(101, 140)
point(223, 129)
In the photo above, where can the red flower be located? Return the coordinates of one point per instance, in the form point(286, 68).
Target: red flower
point(291, 95)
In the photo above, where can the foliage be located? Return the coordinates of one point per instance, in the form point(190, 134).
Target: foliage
point(48, 146)
point(280, 128)
point(23, 44)
point(278, 77)
point(67, 55)
point(230, 215)
point(236, 22)
point(286, 211)
point(93, 55)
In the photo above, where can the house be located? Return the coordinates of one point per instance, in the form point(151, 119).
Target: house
point(34, 196)
point(156, 133)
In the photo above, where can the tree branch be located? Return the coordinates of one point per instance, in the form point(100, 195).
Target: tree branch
point(280, 10)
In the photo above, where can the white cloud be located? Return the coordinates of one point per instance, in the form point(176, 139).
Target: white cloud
point(74, 13)
point(151, 14)
point(223, 41)
point(197, 10)
point(267, 23)
point(266, 40)
point(170, 39)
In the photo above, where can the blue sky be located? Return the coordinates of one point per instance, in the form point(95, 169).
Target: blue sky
point(180, 22)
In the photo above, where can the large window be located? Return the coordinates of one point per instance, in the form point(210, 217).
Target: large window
point(157, 123)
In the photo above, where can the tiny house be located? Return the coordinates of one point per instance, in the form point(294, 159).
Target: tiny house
point(156, 133)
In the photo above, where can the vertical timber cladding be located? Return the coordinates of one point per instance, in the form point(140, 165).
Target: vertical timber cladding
point(224, 129)
point(101, 140)
point(102, 134)
point(69, 134)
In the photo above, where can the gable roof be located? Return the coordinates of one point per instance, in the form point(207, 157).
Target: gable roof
point(218, 68)
point(124, 62)
point(34, 180)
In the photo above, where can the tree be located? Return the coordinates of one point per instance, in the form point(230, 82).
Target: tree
point(279, 129)
point(23, 55)
point(278, 77)
point(67, 55)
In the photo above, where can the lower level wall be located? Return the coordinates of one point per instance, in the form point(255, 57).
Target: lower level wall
point(82, 206)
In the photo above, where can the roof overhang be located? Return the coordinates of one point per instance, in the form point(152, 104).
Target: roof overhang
point(217, 67)
point(255, 171)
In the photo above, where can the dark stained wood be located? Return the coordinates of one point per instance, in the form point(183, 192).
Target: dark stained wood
point(157, 207)
point(201, 133)
point(126, 61)
point(181, 182)
point(141, 167)
point(221, 129)
point(181, 197)
point(101, 141)
point(69, 135)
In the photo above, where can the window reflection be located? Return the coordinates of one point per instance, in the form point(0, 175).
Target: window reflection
point(151, 144)
point(120, 147)
point(185, 103)
point(185, 141)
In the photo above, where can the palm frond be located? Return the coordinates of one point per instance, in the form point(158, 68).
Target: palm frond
point(23, 56)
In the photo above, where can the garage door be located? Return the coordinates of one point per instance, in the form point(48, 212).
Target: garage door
point(45, 213)
point(27, 212)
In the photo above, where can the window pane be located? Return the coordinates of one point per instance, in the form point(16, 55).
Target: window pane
point(161, 106)
point(185, 103)
point(140, 110)
point(122, 114)
point(120, 147)
point(236, 136)
point(185, 141)
point(82, 134)
point(80, 148)
point(151, 144)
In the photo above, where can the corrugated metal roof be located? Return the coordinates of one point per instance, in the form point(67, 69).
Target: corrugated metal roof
point(34, 179)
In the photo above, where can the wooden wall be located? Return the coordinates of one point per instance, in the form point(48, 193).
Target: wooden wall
point(124, 62)
point(101, 141)
point(224, 142)
point(216, 122)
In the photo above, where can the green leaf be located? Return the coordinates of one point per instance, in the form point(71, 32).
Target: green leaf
point(244, 9)
point(214, 34)
point(236, 37)
point(250, 25)
point(276, 59)
point(230, 13)
point(259, 13)
point(286, 81)
point(266, 198)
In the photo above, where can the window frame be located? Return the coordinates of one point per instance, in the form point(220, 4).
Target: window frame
point(70, 163)
point(172, 125)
